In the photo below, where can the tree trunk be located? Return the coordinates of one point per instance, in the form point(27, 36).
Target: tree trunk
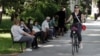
point(99, 6)
point(0, 14)
point(77, 2)
point(93, 6)
point(72, 4)
point(0, 17)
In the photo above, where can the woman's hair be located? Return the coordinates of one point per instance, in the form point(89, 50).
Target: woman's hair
point(29, 20)
point(77, 6)
point(16, 21)
point(29, 25)
point(35, 22)
point(21, 20)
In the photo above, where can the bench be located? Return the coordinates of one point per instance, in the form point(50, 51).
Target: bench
point(16, 42)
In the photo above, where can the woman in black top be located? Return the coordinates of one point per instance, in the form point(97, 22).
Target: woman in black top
point(77, 17)
point(30, 26)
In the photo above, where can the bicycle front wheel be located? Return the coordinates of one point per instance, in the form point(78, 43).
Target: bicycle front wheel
point(73, 47)
point(76, 45)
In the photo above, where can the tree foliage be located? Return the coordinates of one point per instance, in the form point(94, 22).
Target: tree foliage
point(36, 9)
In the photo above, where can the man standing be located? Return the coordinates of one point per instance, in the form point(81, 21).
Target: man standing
point(61, 20)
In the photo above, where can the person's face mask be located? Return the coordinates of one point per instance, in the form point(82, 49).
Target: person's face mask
point(36, 23)
point(22, 22)
point(64, 9)
point(31, 22)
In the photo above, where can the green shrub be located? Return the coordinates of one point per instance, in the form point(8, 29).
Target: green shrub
point(50, 9)
point(38, 15)
point(68, 12)
point(5, 24)
point(40, 11)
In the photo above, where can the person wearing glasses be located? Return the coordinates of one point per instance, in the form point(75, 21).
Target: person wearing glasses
point(78, 18)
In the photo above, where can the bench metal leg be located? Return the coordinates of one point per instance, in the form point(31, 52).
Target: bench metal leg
point(21, 47)
point(12, 45)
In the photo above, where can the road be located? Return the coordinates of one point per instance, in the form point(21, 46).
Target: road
point(62, 47)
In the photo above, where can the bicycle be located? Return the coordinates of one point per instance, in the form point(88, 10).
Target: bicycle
point(75, 43)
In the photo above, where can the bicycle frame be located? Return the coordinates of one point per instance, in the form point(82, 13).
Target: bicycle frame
point(75, 44)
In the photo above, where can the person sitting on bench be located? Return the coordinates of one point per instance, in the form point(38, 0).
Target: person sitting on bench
point(21, 36)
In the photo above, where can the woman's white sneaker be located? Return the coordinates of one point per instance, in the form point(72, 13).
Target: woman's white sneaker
point(81, 46)
point(28, 49)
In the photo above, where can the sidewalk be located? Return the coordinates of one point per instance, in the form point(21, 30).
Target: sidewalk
point(62, 47)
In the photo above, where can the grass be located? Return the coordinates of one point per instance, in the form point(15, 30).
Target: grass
point(5, 38)
point(5, 24)
point(6, 44)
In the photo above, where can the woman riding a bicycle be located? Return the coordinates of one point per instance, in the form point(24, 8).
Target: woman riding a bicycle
point(78, 18)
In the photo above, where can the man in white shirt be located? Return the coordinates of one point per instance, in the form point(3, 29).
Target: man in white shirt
point(45, 27)
point(45, 24)
point(21, 36)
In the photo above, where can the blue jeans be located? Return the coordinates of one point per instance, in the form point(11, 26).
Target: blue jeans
point(28, 41)
point(79, 27)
